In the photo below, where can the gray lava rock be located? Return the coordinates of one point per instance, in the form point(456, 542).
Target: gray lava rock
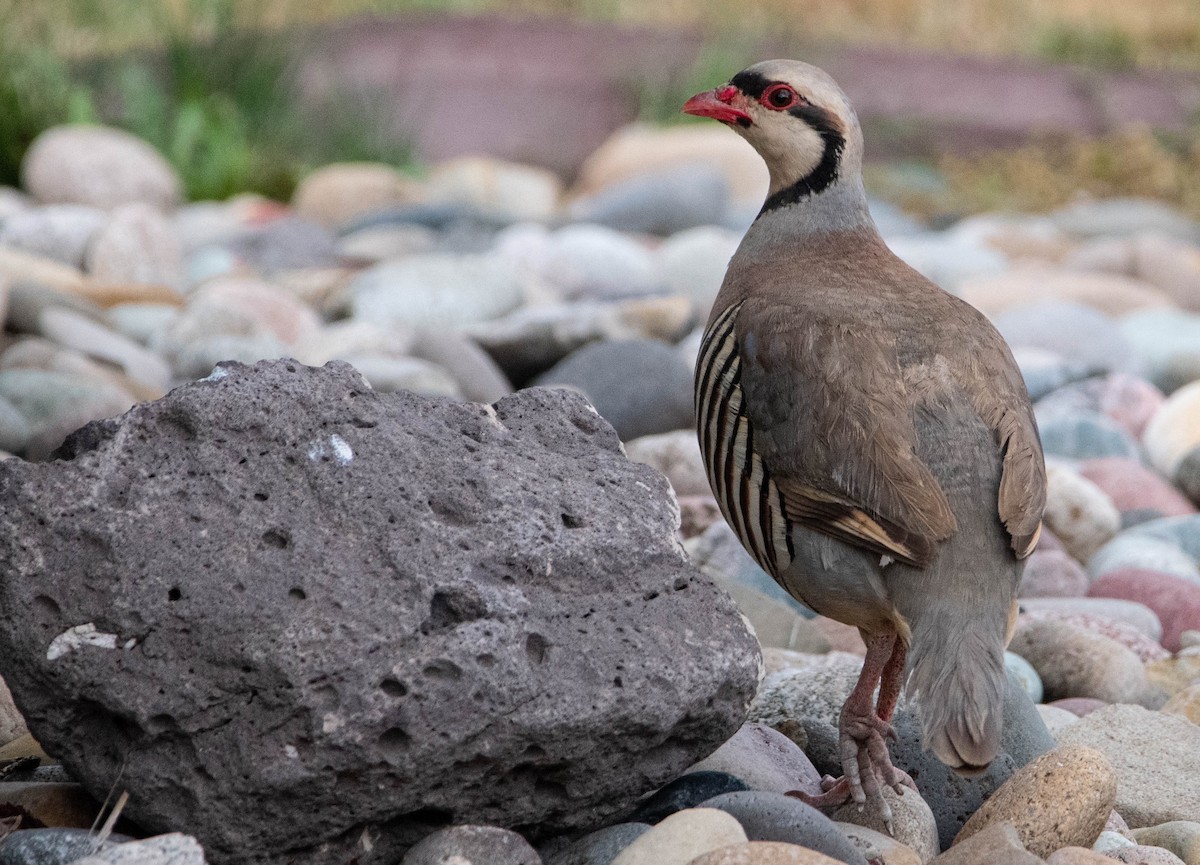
point(640, 386)
point(276, 593)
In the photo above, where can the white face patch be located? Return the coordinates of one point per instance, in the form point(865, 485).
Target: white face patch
point(791, 148)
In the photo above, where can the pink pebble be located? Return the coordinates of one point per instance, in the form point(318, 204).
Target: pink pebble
point(1079, 706)
point(1127, 635)
point(1051, 573)
point(1130, 401)
point(1133, 487)
point(1175, 599)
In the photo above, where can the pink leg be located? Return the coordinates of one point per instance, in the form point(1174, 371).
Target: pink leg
point(863, 728)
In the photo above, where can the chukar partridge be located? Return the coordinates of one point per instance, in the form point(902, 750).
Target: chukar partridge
point(867, 435)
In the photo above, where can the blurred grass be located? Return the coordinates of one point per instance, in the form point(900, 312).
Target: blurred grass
point(208, 81)
point(1047, 173)
point(213, 90)
point(1154, 33)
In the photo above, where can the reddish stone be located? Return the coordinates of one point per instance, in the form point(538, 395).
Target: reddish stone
point(1051, 573)
point(1079, 706)
point(1133, 487)
point(1176, 600)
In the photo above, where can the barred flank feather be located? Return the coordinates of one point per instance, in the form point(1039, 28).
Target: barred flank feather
point(748, 498)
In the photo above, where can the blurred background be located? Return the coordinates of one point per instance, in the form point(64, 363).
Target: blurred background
point(248, 95)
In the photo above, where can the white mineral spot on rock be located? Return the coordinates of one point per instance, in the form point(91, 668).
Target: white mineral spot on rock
point(342, 452)
point(218, 373)
point(331, 723)
point(291, 752)
point(337, 448)
point(80, 635)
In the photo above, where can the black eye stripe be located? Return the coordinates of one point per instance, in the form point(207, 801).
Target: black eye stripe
point(751, 83)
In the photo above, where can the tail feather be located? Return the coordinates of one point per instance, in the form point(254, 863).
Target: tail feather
point(958, 680)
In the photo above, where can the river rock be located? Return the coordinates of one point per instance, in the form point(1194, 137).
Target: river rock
point(641, 387)
point(1176, 601)
point(58, 231)
point(1073, 662)
point(136, 245)
point(485, 639)
point(1078, 512)
point(98, 166)
point(337, 194)
point(1156, 758)
point(682, 837)
point(1167, 341)
point(764, 759)
point(1061, 799)
point(472, 845)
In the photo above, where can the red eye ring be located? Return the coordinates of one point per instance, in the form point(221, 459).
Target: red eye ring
point(779, 97)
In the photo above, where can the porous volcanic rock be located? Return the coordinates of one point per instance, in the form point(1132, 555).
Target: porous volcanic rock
point(306, 622)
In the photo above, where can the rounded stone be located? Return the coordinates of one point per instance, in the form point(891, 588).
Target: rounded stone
point(640, 148)
point(1078, 333)
point(1052, 574)
point(686, 791)
point(589, 261)
point(1073, 662)
point(472, 845)
point(1181, 837)
point(1176, 601)
point(1174, 431)
point(1079, 706)
point(764, 853)
point(595, 848)
point(138, 245)
point(693, 263)
point(98, 166)
point(1131, 613)
point(55, 404)
point(1127, 400)
point(1110, 294)
point(1055, 718)
point(660, 202)
point(58, 231)
point(682, 837)
point(1167, 341)
point(1144, 854)
point(1060, 799)
point(337, 194)
point(1185, 703)
point(1078, 856)
point(437, 290)
point(641, 387)
point(677, 455)
point(1023, 672)
point(995, 843)
point(507, 191)
point(1135, 489)
point(14, 428)
point(775, 817)
point(1156, 758)
point(1079, 513)
point(764, 759)
point(913, 823)
point(880, 847)
point(1085, 435)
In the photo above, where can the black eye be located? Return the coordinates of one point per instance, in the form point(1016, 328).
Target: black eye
point(780, 96)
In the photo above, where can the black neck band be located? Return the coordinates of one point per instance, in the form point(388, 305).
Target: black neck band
point(826, 172)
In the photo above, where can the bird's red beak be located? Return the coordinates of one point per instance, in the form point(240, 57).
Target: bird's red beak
point(717, 104)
